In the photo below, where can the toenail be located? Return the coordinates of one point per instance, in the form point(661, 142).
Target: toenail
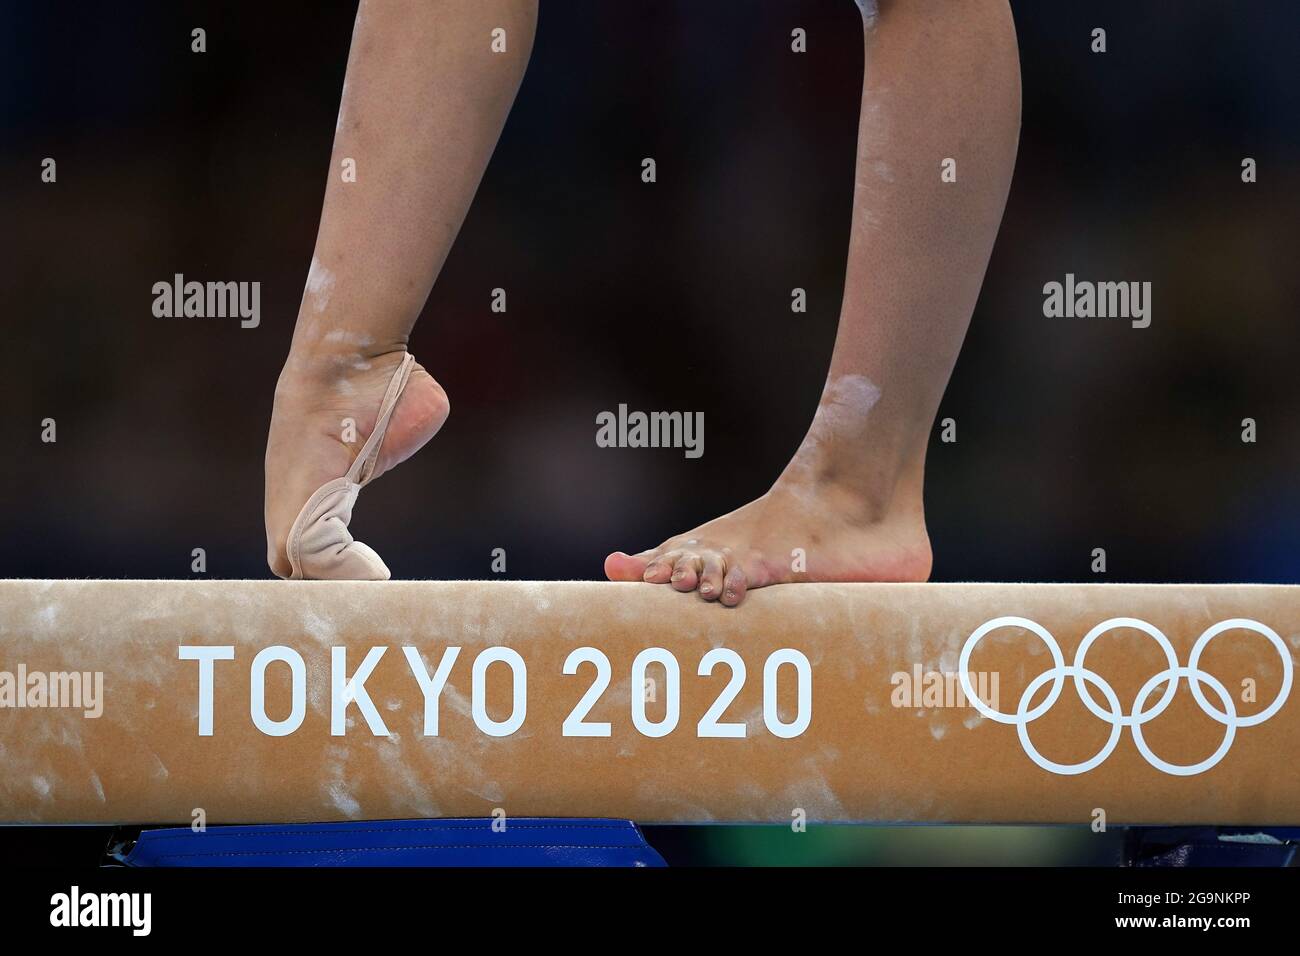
point(678, 575)
point(706, 588)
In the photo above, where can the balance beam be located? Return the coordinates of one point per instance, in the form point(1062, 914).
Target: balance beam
point(277, 701)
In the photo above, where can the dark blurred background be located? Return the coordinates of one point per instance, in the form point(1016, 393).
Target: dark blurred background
point(1073, 434)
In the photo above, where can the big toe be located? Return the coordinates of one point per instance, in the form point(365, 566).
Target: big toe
point(626, 567)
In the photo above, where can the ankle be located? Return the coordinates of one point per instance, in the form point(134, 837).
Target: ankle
point(864, 485)
point(325, 364)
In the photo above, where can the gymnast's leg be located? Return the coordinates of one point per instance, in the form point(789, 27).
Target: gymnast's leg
point(942, 80)
point(424, 101)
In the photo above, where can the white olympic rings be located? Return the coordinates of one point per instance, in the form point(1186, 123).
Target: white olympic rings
point(1113, 713)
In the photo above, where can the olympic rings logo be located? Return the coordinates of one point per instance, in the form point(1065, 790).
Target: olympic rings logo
point(1170, 677)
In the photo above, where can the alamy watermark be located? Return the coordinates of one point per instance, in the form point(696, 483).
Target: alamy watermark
point(936, 689)
point(209, 300)
point(1081, 299)
point(624, 429)
point(76, 690)
point(133, 911)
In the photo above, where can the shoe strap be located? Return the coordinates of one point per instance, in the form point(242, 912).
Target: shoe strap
point(364, 467)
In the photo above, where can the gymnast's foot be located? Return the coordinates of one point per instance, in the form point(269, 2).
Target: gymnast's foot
point(835, 514)
point(311, 442)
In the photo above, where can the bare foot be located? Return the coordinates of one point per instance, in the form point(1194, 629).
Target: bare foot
point(835, 514)
point(783, 536)
point(311, 442)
